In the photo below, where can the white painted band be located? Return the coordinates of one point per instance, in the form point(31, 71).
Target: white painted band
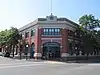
point(64, 54)
point(37, 55)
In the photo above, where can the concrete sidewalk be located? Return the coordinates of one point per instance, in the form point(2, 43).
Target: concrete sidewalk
point(17, 58)
point(32, 60)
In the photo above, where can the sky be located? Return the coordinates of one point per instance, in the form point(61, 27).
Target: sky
point(18, 13)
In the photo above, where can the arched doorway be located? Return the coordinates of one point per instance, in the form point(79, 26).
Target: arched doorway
point(51, 50)
point(32, 50)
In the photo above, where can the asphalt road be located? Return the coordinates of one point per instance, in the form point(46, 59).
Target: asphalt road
point(23, 67)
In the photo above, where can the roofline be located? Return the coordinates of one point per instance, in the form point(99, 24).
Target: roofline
point(36, 21)
point(28, 25)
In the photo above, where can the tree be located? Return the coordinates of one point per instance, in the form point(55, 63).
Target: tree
point(96, 35)
point(4, 38)
point(88, 43)
point(89, 22)
point(9, 38)
point(91, 38)
point(14, 37)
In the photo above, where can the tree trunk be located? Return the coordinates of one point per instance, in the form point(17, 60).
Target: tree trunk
point(16, 50)
point(13, 51)
point(20, 49)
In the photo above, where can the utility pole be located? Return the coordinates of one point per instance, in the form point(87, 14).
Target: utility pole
point(51, 7)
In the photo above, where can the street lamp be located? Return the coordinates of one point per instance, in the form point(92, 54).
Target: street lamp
point(26, 50)
point(26, 45)
point(6, 46)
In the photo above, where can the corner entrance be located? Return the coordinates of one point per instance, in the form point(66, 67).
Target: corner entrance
point(51, 50)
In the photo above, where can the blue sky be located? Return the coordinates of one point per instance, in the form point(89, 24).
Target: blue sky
point(18, 13)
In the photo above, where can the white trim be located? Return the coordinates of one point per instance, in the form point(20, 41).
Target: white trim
point(51, 38)
point(41, 46)
point(56, 25)
point(39, 27)
point(37, 55)
point(70, 39)
point(60, 46)
point(51, 35)
point(63, 28)
point(28, 54)
point(23, 54)
point(64, 54)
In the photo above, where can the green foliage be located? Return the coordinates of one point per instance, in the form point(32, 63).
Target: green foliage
point(91, 37)
point(9, 37)
point(89, 22)
point(88, 43)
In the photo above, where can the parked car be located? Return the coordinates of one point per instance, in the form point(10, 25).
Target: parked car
point(7, 54)
point(1, 53)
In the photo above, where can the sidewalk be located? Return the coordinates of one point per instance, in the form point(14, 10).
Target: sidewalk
point(32, 60)
point(17, 58)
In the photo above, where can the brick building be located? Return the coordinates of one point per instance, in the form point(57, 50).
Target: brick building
point(49, 35)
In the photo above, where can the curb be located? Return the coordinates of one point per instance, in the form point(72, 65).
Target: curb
point(54, 62)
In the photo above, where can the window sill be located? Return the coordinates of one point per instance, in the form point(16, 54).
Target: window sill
point(50, 35)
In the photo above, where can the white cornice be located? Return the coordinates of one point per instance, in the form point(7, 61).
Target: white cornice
point(51, 38)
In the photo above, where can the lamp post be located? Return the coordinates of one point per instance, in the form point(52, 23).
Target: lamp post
point(26, 50)
point(6, 49)
point(21, 47)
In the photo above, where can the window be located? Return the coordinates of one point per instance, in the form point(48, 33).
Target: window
point(23, 35)
point(46, 31)
point(70, 33)
point(51, 31)
point(26, 34)
point(56, 31)
point(51, 18)
point(32, 32)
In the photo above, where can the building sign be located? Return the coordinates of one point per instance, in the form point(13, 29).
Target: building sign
point(51, 44)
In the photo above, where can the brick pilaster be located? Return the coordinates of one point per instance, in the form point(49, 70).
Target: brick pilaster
point(64, 42)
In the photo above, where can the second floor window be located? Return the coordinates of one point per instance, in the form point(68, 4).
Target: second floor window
point(51, 31)
point(70, 33)
point(26, 34)
point(32, 32)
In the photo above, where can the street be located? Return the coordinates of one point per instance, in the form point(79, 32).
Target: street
point(23, 67)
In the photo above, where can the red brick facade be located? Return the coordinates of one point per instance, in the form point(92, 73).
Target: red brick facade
point(39, 39)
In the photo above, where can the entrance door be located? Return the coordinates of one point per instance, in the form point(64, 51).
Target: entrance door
point(32, 50)
point(51, 50)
